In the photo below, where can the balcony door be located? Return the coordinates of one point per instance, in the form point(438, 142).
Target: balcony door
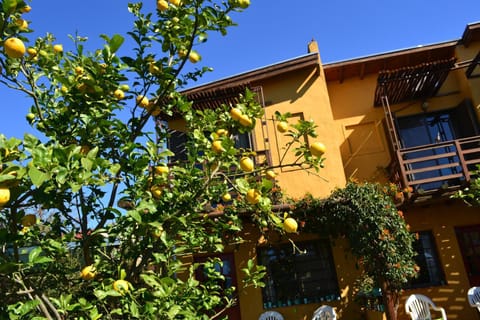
point(431, 129)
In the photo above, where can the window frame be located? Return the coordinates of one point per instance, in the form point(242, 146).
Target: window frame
point(298, 270)
point(437, 264)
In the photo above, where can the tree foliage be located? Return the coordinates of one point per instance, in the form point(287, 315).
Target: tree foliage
point(97, 220)
point(471, 194)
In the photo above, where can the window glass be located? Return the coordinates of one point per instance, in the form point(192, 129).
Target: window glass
point(298, 277)
point(431, 273)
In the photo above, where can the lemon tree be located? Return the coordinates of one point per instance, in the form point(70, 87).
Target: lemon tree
point(96, 218)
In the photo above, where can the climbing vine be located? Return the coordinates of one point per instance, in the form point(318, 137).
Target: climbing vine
point(379, 237)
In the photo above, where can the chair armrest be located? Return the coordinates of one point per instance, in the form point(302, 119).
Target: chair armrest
point(442, 311)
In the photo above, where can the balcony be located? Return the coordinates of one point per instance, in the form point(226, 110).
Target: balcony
point(436, 169)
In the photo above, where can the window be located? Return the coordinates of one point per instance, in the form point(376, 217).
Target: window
point(177, 142)
point(298, 277)
point(431, 273)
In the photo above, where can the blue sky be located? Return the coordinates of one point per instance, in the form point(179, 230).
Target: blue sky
point(267, 32)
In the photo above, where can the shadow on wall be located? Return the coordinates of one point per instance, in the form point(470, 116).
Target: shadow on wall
point(282, 89)
point(452, 295)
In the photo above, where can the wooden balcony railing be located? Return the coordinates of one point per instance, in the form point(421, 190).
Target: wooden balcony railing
point(435, 167)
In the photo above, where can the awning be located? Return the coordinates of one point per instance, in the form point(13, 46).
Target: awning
point(413, 82)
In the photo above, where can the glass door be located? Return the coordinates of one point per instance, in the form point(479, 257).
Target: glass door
point(428, 129)
point(469, 242)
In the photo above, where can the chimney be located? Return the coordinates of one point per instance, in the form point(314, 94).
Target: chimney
point(313, 46)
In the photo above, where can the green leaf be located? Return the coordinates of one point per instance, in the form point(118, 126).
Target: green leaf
point(134, 310)
point(116, 42)
point(62, 175)
point(9, 5)
point(38, 177)
point(114, 168)
point(34, 254)
point(87, 164)
point(135, 215)
point(242, 185)
point(174, 310)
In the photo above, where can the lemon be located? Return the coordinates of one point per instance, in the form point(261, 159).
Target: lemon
point(88, 273)
point(290, 225)
point(253, 196)
point(14, 48)
point(246, 164)
point(121, 286)
point(4, 196)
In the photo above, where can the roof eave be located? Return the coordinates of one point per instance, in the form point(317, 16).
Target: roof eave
point(257, 75)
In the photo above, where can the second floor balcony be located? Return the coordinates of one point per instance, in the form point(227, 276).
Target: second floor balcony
point(435, 169)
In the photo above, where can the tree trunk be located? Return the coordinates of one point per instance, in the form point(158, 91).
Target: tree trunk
point(390, 301)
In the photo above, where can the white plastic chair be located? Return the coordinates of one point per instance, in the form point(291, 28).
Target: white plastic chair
point(418, 307)
point(474, 297)
point(271, 315)
point(324, 313)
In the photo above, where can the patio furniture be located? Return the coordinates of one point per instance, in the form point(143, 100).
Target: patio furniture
point(474, 297)
point(418, 307)
point(271, 315)
point(324, 313)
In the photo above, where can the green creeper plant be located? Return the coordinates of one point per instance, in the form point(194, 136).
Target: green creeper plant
point(365, 214)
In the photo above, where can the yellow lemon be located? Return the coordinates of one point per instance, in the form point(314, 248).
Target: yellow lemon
point(317, 149)
point(78, 70)
point(194, 57)
point(159, 170)
point(32, 52)
point(245, 120)
point(4, 196)
point(253, 196)
point(226, 197)
point(14, 48)
point(222, 132)
point(290, 225)
point(26, 9)
point(162, 5)
point(58, 48)
point(156, 191)
point(143, 101)
point(246, 164)
point(22, 24)
point(282, 126)
point(235, 113)
point(121, 286)
point(88, 273)
point(217, 146)
point(270, 174)
point(119, 94)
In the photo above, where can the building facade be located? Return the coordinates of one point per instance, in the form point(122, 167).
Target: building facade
point(408, 118)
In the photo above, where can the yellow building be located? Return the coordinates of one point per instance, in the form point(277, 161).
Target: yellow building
point(408, 117)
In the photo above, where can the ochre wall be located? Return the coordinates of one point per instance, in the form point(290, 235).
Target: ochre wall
point(441, 219)
point(303, 94)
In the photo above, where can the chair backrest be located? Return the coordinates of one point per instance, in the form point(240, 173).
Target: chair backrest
point(324, 313)
point(271, 315)
point(418, 307)
point(474, 297)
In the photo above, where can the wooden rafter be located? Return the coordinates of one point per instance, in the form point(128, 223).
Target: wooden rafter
point(413, 82)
